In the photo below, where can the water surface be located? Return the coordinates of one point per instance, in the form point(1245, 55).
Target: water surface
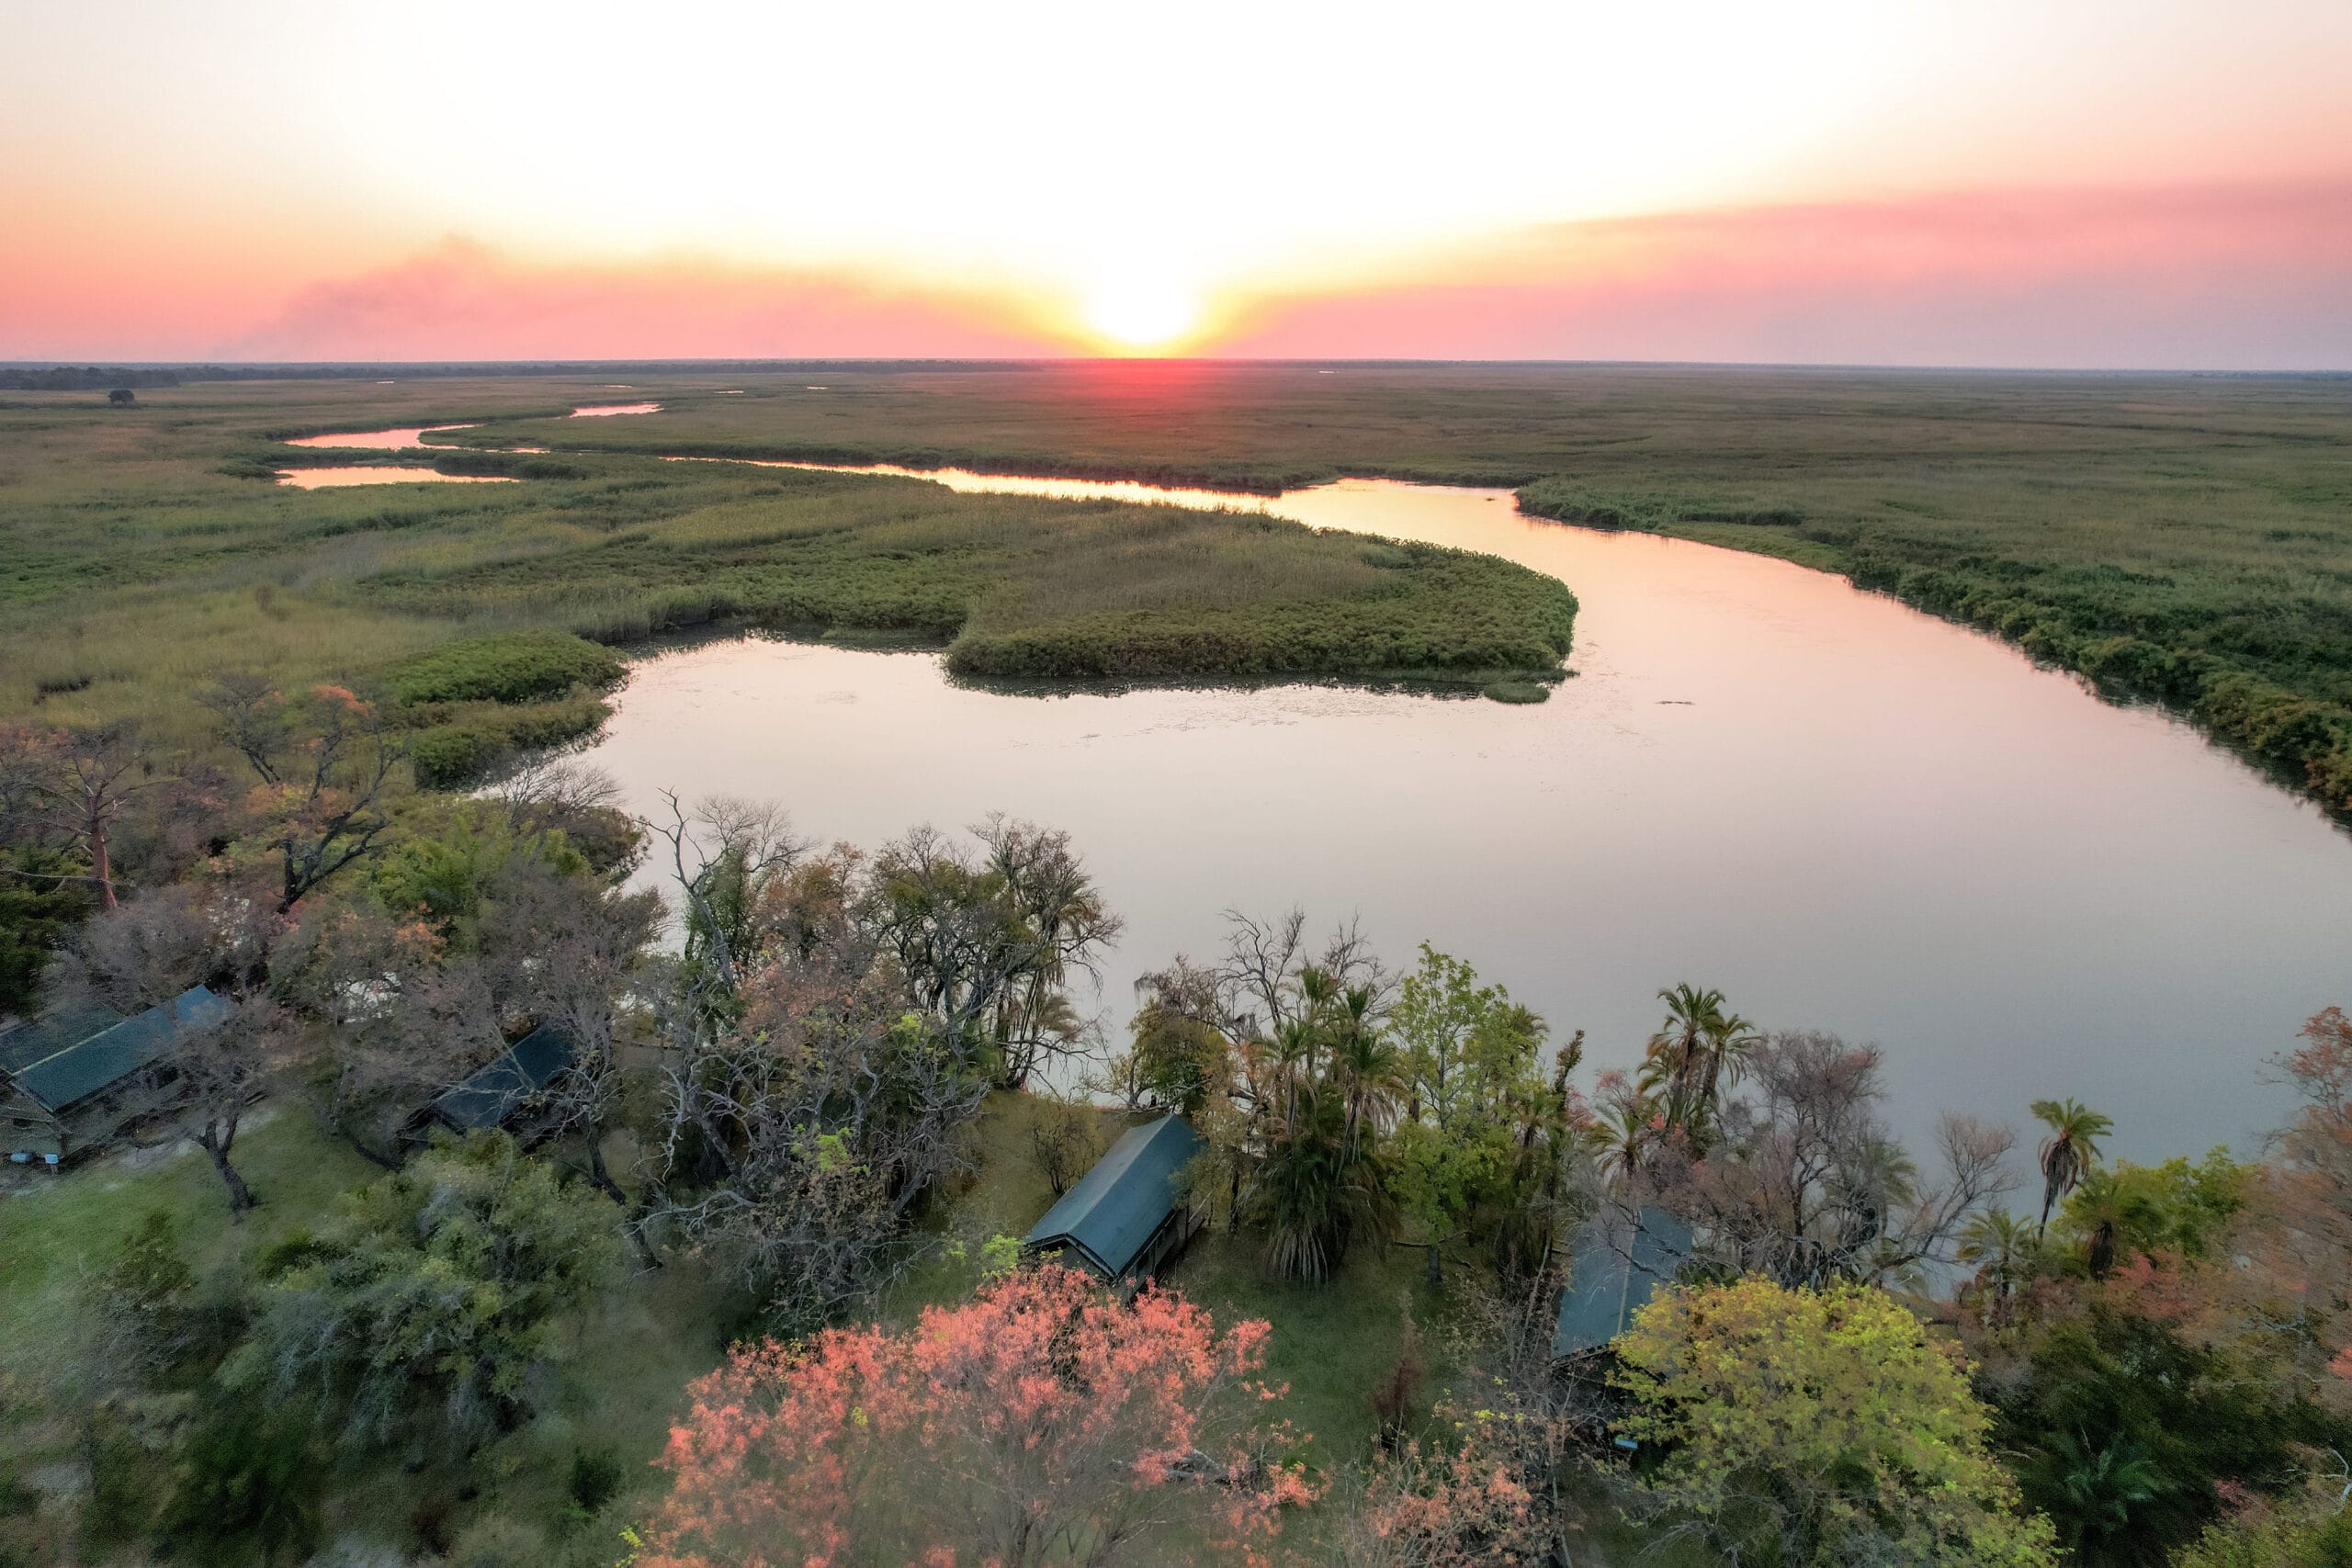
point(597, 410)
point(1842, 812)
point(382, 474)
point(376, 440)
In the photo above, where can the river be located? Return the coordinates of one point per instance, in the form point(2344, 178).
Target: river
point(1843, 813)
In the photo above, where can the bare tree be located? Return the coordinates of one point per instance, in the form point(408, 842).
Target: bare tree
point(211, 1067)
point(77, 785)
point(830, 1113)
point(403, 1019)
point(581, 944)
point(325, 762)
point(1809, 1186)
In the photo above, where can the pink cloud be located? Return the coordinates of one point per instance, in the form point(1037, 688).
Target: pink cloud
point(460, 300)
point(2183, 279)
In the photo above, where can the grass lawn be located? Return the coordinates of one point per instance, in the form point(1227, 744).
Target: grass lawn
point(54, 1231)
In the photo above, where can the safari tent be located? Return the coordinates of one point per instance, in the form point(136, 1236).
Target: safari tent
point(75, 1079)
point(1128, 1216)
point(512, 1084)
point(1619, 1259)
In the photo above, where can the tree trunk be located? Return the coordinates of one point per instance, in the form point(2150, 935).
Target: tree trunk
point(102, 865)
point(598, 1176)
point(241, 1197)
point(1436, 1275)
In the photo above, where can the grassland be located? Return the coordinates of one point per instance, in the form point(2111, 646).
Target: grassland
point(2184, 539)
point(146, 551)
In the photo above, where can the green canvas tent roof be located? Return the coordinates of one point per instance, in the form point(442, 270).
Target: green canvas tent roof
point(65, 1078)
point(1616, 1264)
point(498, 1091)
point(24, 1043)
point(1110, 1217)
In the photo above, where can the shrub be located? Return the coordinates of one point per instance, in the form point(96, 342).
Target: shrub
point(596, 1480)
point(250, 1490)
point(432, 1295)
point(510, 666)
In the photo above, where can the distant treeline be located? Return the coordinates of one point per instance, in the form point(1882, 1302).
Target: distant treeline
point(41, 377)
point(84, 379)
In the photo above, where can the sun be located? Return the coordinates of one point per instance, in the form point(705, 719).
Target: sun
point(1142, 313)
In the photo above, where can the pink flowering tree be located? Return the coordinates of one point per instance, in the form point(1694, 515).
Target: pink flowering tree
point(1041, 1421)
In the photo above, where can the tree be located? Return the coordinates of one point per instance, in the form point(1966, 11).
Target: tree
point(1693, 1057)
point(1806, 1185)
point(1818, 1427)
point(432, 1296)
point(148, 952)
point(573, 946)
point(1066, 1136)
point(323, 764)
point(2071, 1149)
point(122, 398)
point(1473, 1096)
point(1042, 1421)
point(1181, 1054)
point(79, 785)
point(987, 943)
point(2002, 1249)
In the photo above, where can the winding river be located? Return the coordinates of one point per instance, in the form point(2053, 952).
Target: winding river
point(1843, 813)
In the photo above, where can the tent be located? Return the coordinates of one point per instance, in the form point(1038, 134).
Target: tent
point(491, 1096)
point(68, 1073)
point(1127, 1216)
point(1617, 1262)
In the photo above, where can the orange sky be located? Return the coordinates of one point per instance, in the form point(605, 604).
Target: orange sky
point(2068, 182)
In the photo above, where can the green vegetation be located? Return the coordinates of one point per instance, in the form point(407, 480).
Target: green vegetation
point(513, 668)
point(147, 555)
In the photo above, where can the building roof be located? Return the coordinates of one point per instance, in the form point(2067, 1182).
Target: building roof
point(1110, 1215)
point(498, 1091)
point(23, 1044)
point(66, 1077)
point(1616, 1264)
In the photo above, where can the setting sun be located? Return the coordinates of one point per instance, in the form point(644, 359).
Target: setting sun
point(1142, 312)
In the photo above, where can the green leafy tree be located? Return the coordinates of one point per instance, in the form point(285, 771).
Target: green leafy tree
point(1802, 1426)
point(2126, 1210)
point(434, 1294)
point(1467, 1058)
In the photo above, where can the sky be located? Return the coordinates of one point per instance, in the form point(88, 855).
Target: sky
point(2157, 183)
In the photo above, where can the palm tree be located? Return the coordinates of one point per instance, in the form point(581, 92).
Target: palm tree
point(1695, 1055)
point(2001, 1246)
point(1315, 1190)
point(1363, 1062)
point(2099, 1488)
point(1622, 1135)
point(2070, 1150)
